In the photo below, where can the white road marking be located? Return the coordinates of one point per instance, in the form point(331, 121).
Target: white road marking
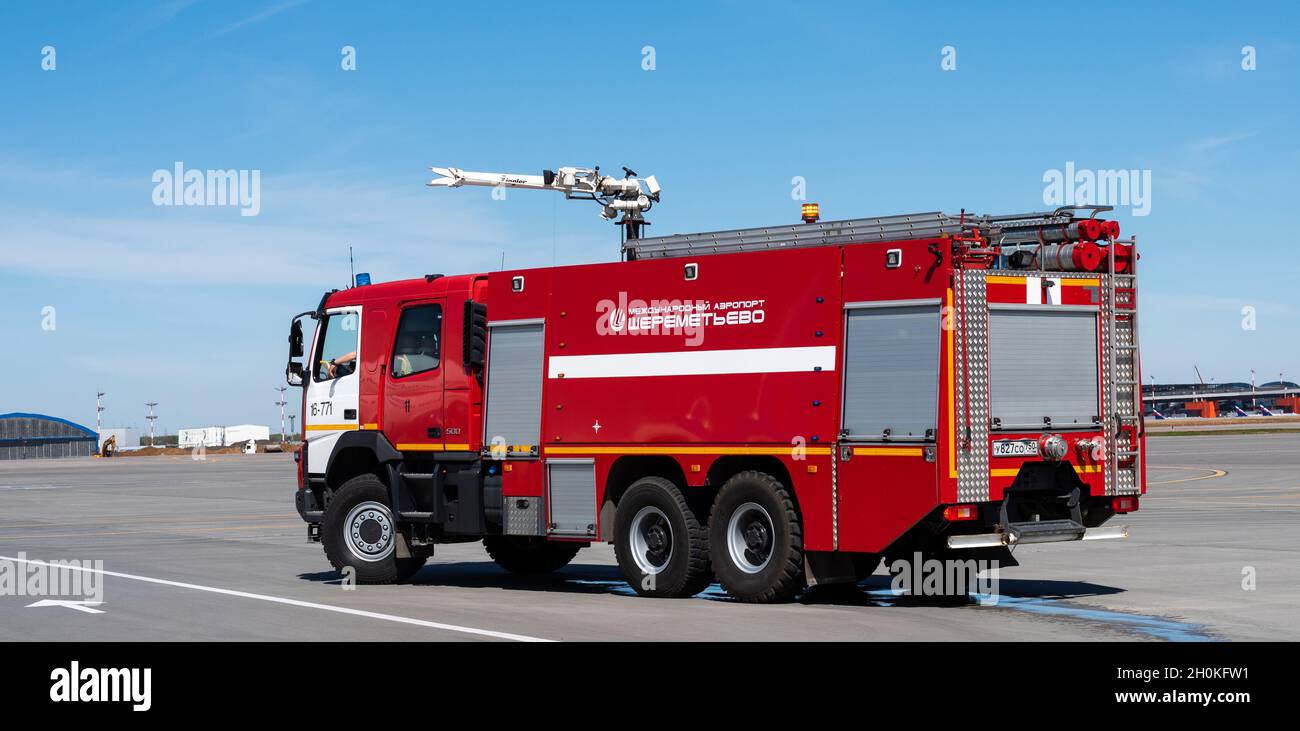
point(81, 606)
point(294, 602)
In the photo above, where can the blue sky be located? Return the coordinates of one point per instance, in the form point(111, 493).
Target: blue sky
point(188, 306)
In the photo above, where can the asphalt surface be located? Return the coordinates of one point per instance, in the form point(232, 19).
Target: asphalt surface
point(213, 550)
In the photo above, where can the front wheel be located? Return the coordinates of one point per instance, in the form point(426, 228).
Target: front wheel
point(360, 536)
point(756, 540)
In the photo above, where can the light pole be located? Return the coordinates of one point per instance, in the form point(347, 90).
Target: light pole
point(281, 404)
point(1252, 388)
point(152, 418)
point(99, 410)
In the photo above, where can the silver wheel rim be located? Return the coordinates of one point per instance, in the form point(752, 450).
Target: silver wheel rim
point(368, 532)
point(651, 540)
point(751, 538)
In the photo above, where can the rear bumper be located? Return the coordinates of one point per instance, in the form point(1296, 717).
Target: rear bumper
point(1015, 535)
point(1047, 503)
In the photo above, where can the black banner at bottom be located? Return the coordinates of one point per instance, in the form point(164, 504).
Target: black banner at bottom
point(234, 681)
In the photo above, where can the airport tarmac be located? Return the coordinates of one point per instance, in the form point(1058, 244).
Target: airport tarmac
point(213, 550)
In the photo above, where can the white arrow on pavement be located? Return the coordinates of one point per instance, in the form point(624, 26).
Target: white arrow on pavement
point(81, 606)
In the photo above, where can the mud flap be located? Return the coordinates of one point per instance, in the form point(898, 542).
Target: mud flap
point(402, 549)
point(826, 567)
point(1042, 505)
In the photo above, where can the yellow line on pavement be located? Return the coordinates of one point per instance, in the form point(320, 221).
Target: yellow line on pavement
point(1213, 473)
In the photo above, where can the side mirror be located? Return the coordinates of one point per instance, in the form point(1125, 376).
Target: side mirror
point(293, 373)
point(474, 333)
point(295, 339)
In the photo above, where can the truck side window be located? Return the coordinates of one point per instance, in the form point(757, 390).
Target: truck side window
point(417, 347)
point(338, 342)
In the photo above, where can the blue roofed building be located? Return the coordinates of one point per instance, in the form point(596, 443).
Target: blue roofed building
point(37, 436)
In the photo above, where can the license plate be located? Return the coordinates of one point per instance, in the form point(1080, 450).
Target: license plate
point(1015, 448)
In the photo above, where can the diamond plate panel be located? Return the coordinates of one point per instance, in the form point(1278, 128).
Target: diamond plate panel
point(1124, 367)
point(1107, 377)
point(835, 499)
point(1119, 372)
point(523, 516)
point(972, 384)
point(1124, 333)
point(1124, 400)
point(1126, 482)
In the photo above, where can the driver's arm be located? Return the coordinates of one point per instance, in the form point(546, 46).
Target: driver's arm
point(332, 365)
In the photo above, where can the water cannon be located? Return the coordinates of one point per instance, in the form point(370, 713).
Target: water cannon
point(629, 197)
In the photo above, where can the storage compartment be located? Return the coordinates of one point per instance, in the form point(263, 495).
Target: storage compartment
point(571, 497)
point(891, 371)
point(1043, 367)
point(514, 388)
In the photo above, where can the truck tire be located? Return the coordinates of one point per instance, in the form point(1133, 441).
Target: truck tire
point(528, 555)
point(756, 539)
point(359, 534)
point(662, 548)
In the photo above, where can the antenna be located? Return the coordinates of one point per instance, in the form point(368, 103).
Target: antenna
point(616, 196)
point(352, 270)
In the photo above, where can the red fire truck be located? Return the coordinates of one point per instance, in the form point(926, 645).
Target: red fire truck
point(771, 407)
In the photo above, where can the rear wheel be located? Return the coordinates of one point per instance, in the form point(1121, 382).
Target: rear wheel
point(755, 539)
point(529, 555)
point(661, 545)
point(360, 536)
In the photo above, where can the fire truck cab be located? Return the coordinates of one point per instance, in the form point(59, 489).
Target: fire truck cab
point(769, 408)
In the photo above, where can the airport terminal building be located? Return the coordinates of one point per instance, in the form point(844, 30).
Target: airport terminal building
point(37, 436)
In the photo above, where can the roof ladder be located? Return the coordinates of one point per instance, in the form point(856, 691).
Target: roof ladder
point(1123, 389)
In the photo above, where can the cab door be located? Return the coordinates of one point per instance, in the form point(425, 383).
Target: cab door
point(331, 401)
point(413, 413)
